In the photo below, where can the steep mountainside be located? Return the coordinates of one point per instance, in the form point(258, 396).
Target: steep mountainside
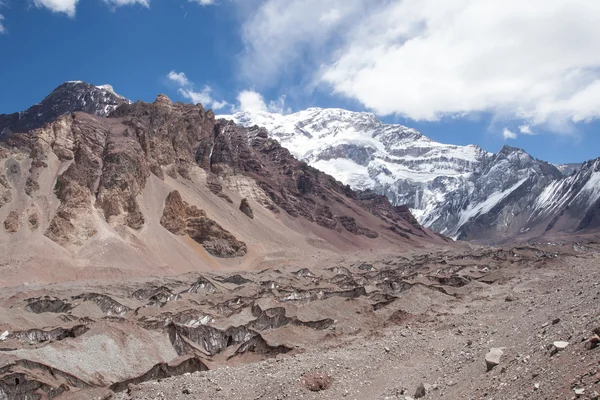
point(160, 188)
point(460, 191)
point(65, 99)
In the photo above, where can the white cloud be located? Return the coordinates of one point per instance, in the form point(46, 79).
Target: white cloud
point(186, 90)
point(508, 134)
point(179, 78)
point(203, 97)
point(58, 6)
point(2, 28)
point(534, 60)
point(283, 33)
point(68, 6)
point(526, 130)
point(249, 100)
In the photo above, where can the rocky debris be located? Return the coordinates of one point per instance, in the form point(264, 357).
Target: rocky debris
point(39, 335)
point(258, 346)
point(246, 209)
point(261, 332)
point(11, 223)
point(492, 358)
point(4, 336)
point(180, 218)
point(202, 285)
point(163, 370)
point(156, 296)
point(47, 304)
point(108, 305)
point(316, 381)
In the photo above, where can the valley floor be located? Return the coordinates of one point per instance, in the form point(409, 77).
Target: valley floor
point(375, 328)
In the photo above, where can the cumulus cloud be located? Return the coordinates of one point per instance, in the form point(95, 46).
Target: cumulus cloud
point(58, 6)
point(2, 28)
point(250, 100)
point(534, 60)
point(179, 78)
point(186, 90)
point(508, 134)
point(203, 97)
point(526, 130)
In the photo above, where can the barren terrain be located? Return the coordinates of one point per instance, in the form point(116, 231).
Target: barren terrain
point(368, 326)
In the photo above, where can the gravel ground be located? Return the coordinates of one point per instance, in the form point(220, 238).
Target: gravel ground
point(524, 311)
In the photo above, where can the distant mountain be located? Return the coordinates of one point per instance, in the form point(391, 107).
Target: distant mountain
point(461, 191)
point(67, 98)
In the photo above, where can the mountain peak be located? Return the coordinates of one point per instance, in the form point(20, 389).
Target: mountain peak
point(68, 97)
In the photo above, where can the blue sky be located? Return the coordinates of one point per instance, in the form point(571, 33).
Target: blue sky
point(461, 71)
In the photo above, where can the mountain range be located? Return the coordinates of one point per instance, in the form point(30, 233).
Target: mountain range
point(462, 192)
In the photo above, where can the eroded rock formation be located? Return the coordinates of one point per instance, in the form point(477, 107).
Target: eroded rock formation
point(180, 218)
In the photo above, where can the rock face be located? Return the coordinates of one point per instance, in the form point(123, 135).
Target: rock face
point(65, 99)
point(460, 191)
point(180, 218)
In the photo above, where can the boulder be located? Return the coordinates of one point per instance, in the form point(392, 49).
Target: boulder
point(492, 358)
point(558, 346)
point(246, 209)
point(420, 392)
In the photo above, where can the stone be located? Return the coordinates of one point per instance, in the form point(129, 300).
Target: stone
point(4, 336)
point(558, 346)
point(579, 391)
point(246, 209)
point(593, 342)
point(420, 392)
point(492, 358)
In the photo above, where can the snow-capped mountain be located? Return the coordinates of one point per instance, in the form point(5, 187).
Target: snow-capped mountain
point(67, 98)
point(461, 191)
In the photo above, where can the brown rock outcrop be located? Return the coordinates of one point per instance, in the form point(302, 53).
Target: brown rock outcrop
point(5, 191)
point(246, 209)
point(11, 223)
point(180, 218)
